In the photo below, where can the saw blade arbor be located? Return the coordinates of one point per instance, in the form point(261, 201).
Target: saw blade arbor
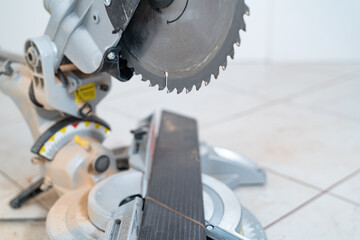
point(184, 44)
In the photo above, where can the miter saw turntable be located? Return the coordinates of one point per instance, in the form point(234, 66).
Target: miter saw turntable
point(166, 184)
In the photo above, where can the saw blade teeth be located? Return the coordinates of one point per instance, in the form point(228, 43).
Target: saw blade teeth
point(232, 52)
point(179, 90)
point(224, 65)
point(198, 85)
point(151, 84)
point(243, 26)
point(188, 90)
point(207, 82)
point(247, 10)
point(238, 41)
point(216, 74)
point(146, 80)
point(170, 89)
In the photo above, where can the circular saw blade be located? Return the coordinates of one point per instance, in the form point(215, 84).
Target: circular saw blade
point(181, 46)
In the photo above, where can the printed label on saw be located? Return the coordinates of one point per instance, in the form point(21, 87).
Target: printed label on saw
point(85, 93)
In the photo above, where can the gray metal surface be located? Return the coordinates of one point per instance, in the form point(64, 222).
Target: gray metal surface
point(81, 30)
point(230, 167)
point(105, 197)
point(52, 93)
point(251, 226)
point(222, 210)
point(182, 45)
point(225, 218)
point(4, 55)
point(125, 224)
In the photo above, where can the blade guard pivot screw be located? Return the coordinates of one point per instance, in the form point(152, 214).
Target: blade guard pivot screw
point(107, 3)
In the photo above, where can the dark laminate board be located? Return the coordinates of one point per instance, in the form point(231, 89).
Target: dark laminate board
point(174, 204)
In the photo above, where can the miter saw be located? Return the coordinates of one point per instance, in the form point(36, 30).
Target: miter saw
point(165, 185)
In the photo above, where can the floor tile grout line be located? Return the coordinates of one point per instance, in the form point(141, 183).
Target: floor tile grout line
point(294, 210)
point(326, 112)
point(276, 101)
point(339, 197)
point(245, 113)
point(21, 187)
point(309, 185)
point(323, 85)
point(326, 191)
point(295, 180)
point(10, 179)
point(258, 96)
point(285, 99)
point(330, 82)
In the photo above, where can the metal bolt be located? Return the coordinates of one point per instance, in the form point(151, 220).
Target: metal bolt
point(209, 227)
point(32, 56)
point(104, 87)
point(107, 2)
point(111, 56)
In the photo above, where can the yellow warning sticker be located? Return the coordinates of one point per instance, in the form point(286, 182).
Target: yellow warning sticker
point(85, 93)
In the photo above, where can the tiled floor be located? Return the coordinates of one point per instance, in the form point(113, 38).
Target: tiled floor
point(301, 122)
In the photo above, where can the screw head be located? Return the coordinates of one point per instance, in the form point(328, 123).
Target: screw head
point(209, 227)
point(107, 3)
point(111, 56)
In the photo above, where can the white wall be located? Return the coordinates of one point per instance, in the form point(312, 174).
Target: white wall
point(278, 30)
point(19, 20)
